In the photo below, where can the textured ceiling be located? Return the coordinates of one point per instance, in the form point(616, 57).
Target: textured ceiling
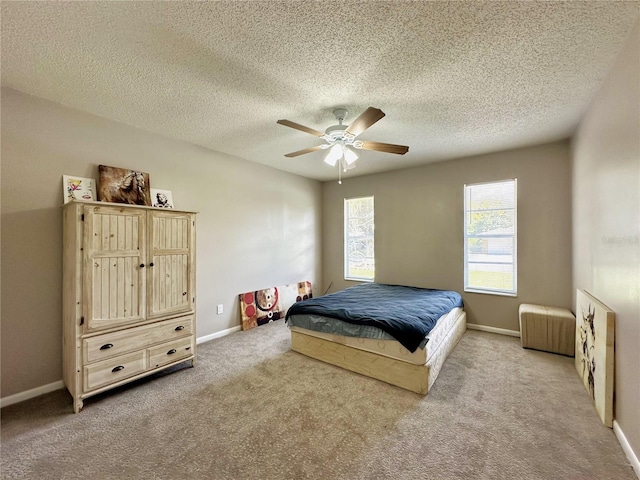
point(454, 78)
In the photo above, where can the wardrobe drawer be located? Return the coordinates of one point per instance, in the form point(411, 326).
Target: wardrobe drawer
point(170, 352)
point(114, 369)
point(116, 343)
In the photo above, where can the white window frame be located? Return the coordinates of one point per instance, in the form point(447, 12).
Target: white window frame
point(514, 237)
point(346, 238)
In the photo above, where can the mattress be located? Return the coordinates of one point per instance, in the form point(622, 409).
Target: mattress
point(388, 346)
point(405, 312)
point(319, 323)
point(439, 355)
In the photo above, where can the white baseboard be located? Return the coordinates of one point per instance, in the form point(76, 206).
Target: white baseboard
point(52, 387)
point(628, 451)
point(34, 392)
point(223, 333)
point(500, 331)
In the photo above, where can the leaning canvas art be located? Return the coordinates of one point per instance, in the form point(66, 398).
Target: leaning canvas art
point(78, 188)
point(161, 198)
point(594, 352)
point(120, 185)
point(263, 306)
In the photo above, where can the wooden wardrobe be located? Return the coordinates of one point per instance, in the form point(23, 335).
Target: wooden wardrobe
point(128, 294)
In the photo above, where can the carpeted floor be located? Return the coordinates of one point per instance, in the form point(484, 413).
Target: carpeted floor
point(253, 409)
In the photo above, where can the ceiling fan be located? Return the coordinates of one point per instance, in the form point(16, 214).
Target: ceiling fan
point(341, 139)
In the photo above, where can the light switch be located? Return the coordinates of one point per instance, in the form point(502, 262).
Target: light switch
point(220, 309)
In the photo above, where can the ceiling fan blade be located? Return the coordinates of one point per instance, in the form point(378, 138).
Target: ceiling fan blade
point(367, 118)
point(302, 152)
point(302, 128)
point(385, 147)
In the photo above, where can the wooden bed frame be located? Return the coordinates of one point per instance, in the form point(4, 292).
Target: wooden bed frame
point(416, 378)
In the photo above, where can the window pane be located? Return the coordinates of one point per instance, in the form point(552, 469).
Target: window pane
point(360, 247)
point(490, 250)
point(360, 207)
point(490, 237)
point(361, 269)
point(360, 226)
point(491, 276)
point(359, 238)
point(492, 222)
point(491, 195)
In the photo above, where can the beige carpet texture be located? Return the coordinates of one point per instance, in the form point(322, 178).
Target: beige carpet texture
point(254, 409)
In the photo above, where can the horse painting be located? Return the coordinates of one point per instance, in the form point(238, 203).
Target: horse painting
point(120, 185)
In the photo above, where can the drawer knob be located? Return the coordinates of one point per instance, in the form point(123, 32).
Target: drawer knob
point(171, 352)
point(118, 368)
point(179, 327)
point(106, 346)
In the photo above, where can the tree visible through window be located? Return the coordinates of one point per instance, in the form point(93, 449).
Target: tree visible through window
point(359, 260)
point(490, 237)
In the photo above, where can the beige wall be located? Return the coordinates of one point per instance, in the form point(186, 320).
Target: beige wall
point(606, 229)
point(419, 228)
point(257, 227)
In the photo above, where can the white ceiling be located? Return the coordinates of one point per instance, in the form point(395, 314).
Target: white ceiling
point(454, 78)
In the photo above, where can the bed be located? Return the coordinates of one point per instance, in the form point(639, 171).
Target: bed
point(398, 334)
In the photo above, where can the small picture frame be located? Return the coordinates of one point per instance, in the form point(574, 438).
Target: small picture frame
point(120, 185)
point(78, 188)
point(161, 198)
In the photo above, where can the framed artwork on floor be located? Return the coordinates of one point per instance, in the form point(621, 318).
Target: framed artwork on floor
point(78, 188)
point(595, 352)
point(263, 306)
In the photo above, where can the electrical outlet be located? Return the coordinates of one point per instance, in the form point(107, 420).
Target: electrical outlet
point(220, 309)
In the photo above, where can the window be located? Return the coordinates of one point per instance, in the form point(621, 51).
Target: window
point(490, 238)
point(359, 262)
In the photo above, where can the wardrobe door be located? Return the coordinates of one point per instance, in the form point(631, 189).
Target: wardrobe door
point(171, 272)
point(115, 266)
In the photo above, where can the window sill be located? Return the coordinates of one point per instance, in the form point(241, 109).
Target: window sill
point(491, 292)
point(354, 279)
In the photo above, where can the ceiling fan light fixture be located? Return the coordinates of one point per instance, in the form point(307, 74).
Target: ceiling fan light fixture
point(335, 153)
point(349, 156)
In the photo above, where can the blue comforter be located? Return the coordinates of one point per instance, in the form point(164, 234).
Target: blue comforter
point(406, 313)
